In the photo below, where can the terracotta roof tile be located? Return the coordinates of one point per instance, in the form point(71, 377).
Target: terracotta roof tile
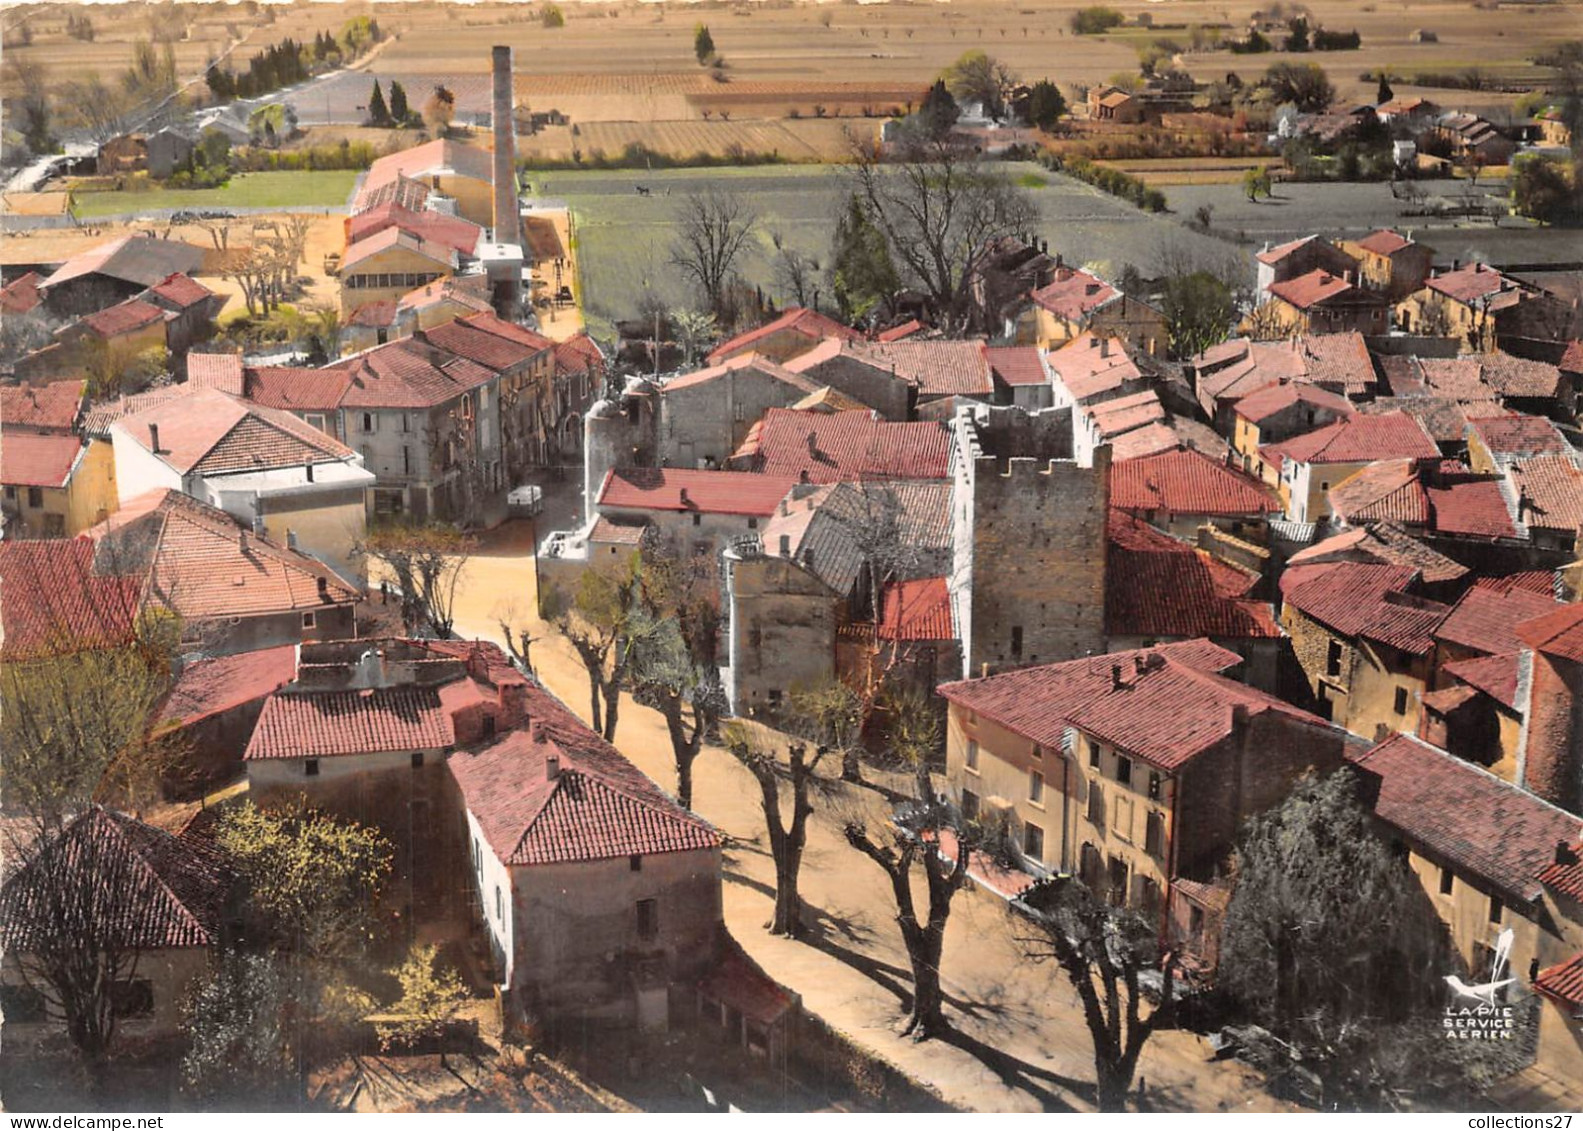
point(123, 318)
point(207, 431)
point(1123, 414)
point(1519, 436)
point(1475, 281)
point(181, 291)
point(1361, 439)
point(618, 531)
point(832, 447)
point(21, 295)
point(1181, 481)
point(706, 492)
point(919, 609)
point(1383, 543)
point(1556, 633)
point(1169, 707)
point(221, 371)
point(53, 407)
point(809, 323)
point(896, 333)
point(1388, 491)
point(1486, 619)
point(579, 354)
point(420, 160)
point(1139, 443)
point(318, 724)
point(748, 361)
point(192, 555)
point(1496, 676)
point(1572, 359)
point(1363, 600)
point(1017, 365)
point(429, 226)
point(1563, 981)
point(1317, 288)
point(374, 314)
point(55, 601)
point(1274, 255)
point(1444, 418)
point(166, 892)
point(1520, 377)
point(1158, 586)
point(935, 367)
point(1385, 241)
point(1271, 399)
point(211, 687)
point(1074, 295)
point(1553, 489)
point(38, 459)
point(1471, 508)
point(598, 806)
point(476, 339)
point(409, 373)
point(1487, 827)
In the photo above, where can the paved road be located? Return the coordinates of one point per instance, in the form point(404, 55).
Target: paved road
point(1021, 1043)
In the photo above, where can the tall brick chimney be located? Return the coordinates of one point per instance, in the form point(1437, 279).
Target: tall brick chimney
point(505, 174)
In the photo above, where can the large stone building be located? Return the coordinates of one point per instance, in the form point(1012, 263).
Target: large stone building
point(1028, 577)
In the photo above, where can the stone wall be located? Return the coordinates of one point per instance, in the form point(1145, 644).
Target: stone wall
point(1552, 762)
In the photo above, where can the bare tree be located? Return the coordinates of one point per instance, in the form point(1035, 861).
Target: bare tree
point(509, 616)
point(97, 107)
point(1104, 952)
point(713, 228)
point(796, 274)
point(787, 838)
point(599, 621)
point(916, 838)
point(940, 208)
point(426, 560)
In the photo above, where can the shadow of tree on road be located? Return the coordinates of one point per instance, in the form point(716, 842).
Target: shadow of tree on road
point(1020, 1075)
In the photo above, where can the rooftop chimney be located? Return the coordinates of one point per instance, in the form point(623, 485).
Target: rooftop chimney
point(505, 150)
point(1104, 347)
point(244, 539)
point(552, 767)
point(1565, 853)
point(785, 545)
point(684, 499)
point(324, 588)
point(1115, 678)
point(153, 437)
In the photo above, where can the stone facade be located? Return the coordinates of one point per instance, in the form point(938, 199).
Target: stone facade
point(1356, 683)
point(784, 622)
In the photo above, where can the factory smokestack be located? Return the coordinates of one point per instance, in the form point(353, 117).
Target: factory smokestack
point(505, 150)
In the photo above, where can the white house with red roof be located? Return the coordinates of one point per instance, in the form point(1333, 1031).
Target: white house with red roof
point(1311, 463)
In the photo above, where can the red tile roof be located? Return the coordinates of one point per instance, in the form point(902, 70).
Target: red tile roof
point(55, 601)
point(1476, 822)
point(38, 459)
point(1552, 487)
point(221, 371)
point(1168, 709)
point(809, 323)
point(1151, 439)
point(1271, 399)
point(579, 354)
point(618, 531)
point(123, 318)
point(1486, 619)
point(375, 314)
point(752, 361)
point(897, 333)
point(1383, 543)
point(21, 295)
point(1496, 676)
point(166, 891)
point(1572, 359)
point(917, 610)
point(1274, 255)
point(1017, 365)
point(1384, 242)
point(1075, 294)
point(1472, 508)
point(1566, 875)
point(1474, 281)
point(1388, 491)
point(182, 291)
point(1317, 288)
point(409, 373)
point(1182, 481)
point(936, 367)
point(1556, 633)
point(429, 226)
point(1519, 436)
point(1123, 414)
point(598, 806)
point(1157, 586)
point(317, 724)
point(491, 323)
point(1563, 981)
point(297, 389)
point(442, 153)
point(706, 492)
point(208, 432)
point(192, 555)
point(840, 446)
point(476, 341)
point(1360, 439)
point(211, 687)
point(1519, 376)
point(48, 408)
point(1363, 600)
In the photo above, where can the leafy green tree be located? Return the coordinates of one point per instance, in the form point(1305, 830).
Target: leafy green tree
point(399, 110)
point(831, 713)
point(1199, 312)
point(378, 114)
point(239, 1043)
point(703, 44)
point(980, 78)
point(1546, 188)
point(1046, 105)
point(601, 622)
point(939, 110)
point(1256, 182)
point(1304, 84)
point(1329, 941)
point(552, 16)
point(863, 276)
point(312, 880)
point(426, 561)
point(1297, 38)
point(431, 997)
point(1384, 94)
point(1096, 20)
point(439, 110)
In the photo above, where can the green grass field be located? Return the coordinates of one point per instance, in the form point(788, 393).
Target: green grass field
point(324, 188)
point(623, 238)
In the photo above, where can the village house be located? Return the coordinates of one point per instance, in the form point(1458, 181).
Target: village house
point(705, 415)
point(1470, 138)
point(54, 408)
point(851, 369)
point(55, 484)
point(264, 467)
point(692, 513)
point(1224, 374)
point(391, 250)
point(836, 447)
point(1478, 306)
point(1133, 771)
point(1078, 302)
point(1159, 589)
point(190, 310)
point(114, 272)
point(1132, 427)
point(1553, 740)
point(1383, 542)
point(1364, 640)
point(1390, 263)
point(421, 308)
point(209, 715)
point(1097, 367)
point(416, 177)
point(58, 603)
point(1022, 376)
point(1490, 857)
point(1108, 103)
point(1288, 261)
point(1279, 412)
point(159, 897)
point(808, 577)
point(1181, 490)
point(1009, 269)
point(1028, 569)
point(1321, 302)
point(903, 377)
point(233, 589)
point(1310, 463)
point(795, 332)
point(1496, 442)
